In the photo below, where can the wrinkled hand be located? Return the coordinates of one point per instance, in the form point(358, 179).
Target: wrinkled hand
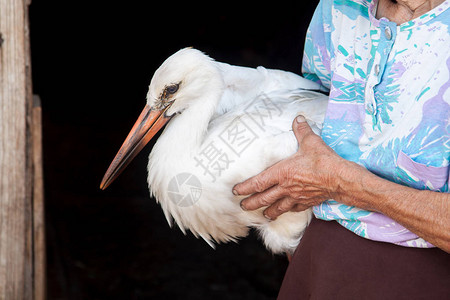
point(296, 183)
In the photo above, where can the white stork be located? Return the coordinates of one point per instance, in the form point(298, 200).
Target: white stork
point(225, 124)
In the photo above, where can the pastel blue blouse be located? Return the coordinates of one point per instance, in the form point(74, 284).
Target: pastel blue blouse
point(389, 106)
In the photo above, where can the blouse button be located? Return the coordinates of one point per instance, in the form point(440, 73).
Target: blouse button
point(388, 33)
point(377, 70)
point(369, 108)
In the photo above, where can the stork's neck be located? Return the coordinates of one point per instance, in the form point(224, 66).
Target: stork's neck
point(185, 133)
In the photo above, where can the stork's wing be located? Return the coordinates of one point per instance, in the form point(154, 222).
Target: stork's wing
point(272, 113)
point(244, 84)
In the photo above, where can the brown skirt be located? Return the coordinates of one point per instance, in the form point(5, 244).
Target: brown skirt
point(331, 262)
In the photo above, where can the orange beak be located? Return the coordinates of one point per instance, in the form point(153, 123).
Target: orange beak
point(147, 125)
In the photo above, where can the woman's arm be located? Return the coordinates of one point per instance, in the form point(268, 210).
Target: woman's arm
point(316, 173)
point(423, 212)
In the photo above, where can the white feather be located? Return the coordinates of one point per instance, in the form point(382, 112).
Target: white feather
point(214, 104)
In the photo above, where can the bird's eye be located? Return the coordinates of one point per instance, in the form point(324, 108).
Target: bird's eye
point(172, 89)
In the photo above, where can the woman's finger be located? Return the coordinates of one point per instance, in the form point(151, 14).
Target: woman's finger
point(279, 207)
point(263, 199)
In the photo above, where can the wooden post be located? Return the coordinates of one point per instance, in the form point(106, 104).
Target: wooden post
point(18, 183)
point(39, 257)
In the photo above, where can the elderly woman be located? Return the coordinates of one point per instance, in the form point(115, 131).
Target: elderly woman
point(383, 157)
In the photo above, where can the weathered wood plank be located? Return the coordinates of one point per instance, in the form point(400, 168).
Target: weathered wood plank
point(15, 166)
point(38, 204)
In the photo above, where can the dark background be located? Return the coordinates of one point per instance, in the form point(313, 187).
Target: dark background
point(92, 63)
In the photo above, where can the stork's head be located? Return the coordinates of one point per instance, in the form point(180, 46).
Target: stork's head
point(184, 80)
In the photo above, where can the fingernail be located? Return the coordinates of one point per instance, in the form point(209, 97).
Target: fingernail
point(235, 192)
point(242, 207)
point(266, 216)
point(300, 119)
